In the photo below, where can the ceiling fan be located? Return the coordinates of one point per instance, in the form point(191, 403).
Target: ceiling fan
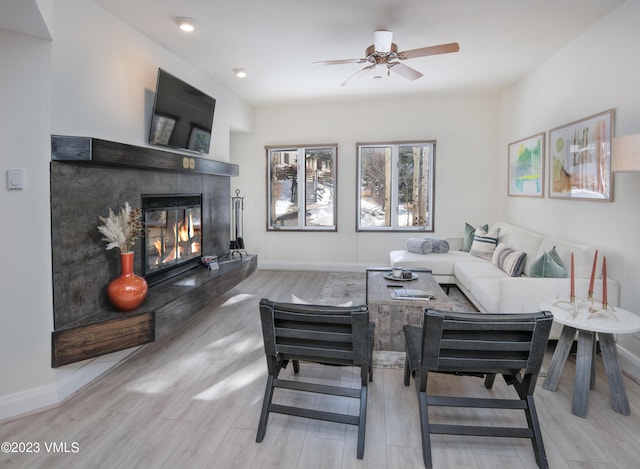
point(384, 52)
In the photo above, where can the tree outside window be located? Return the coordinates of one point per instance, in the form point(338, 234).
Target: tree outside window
point(395, 186)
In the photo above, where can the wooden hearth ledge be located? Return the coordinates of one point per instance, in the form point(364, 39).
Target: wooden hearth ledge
point(167, 306)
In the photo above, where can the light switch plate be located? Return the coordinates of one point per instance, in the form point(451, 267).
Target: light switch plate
point(15, 179)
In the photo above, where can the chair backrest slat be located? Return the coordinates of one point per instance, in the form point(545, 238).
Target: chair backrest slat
point(312, 335)
point(480, 365)
point(291, 352)
point(480, 345)
point(319, 318)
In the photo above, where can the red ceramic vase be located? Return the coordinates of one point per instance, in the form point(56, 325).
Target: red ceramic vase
point(128, 291)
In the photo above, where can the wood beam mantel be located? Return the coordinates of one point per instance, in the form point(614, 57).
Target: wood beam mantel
point(103, 152)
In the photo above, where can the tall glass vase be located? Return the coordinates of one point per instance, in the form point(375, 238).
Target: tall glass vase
point(128, 291)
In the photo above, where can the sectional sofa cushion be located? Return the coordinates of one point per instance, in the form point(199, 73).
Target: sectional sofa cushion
point(467, 273)
point(527, 241)
point(441, 265)
point(486, 291)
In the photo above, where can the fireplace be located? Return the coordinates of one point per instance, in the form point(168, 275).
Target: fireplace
point(88, 176)
point(172, 242)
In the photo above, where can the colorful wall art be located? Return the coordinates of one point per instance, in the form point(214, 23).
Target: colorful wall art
point(580, 159)
point(526, 167)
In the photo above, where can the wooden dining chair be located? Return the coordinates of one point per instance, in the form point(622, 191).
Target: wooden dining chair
point(511, 345)
point(328, 335)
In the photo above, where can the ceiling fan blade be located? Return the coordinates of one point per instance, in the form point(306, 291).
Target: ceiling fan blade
point(358, 73)
point(430, 50)
point(407, 72)
point(382, 41)
point(338, 62)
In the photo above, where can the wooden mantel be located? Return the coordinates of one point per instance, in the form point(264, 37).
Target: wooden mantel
point(103, 152)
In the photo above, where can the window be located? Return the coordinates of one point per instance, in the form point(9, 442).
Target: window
point(395, 186)
point(302, 188)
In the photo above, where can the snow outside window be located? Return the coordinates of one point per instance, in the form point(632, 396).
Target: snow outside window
point(302, 188)
point(395, 186)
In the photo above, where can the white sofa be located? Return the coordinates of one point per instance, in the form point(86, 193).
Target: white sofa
point(490, 289)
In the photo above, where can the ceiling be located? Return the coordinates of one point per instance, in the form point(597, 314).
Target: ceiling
point(276, 41)
point(23, 16)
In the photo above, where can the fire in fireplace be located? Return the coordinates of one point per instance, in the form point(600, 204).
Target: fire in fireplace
point(172, 243)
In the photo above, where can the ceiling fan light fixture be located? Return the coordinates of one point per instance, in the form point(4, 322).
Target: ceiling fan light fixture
point(382, 41)
point(187, 25)
point(384, 52)
point(240, 72)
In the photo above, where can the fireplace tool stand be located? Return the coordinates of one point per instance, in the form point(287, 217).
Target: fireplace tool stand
point(236, 246)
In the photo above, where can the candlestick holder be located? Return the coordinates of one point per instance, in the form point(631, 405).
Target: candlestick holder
point(569, 306)
point(597, 308)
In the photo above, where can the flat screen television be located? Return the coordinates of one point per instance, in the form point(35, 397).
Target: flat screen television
point(182, 115)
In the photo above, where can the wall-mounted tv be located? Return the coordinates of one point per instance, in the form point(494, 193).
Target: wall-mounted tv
point(182, 115)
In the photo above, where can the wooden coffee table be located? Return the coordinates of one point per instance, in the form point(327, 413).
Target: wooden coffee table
point(390, 314)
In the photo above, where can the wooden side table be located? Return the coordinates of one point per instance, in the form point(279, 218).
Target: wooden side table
point(587, 326)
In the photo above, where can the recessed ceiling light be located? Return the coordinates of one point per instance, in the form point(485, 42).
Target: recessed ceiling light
point(187, 24)
point(240, 72)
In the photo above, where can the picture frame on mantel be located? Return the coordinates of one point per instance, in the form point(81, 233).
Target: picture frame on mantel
point(526, 167)
point(199, 139)
point(162, 126)
point(580, 159)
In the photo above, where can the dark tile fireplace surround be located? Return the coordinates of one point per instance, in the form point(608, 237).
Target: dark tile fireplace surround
point(87, 177)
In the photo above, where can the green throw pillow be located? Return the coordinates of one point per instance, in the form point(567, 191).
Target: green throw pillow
point(549, 265)
point(469, 232)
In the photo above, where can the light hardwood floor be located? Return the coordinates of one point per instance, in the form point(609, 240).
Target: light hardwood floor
point(193, 400)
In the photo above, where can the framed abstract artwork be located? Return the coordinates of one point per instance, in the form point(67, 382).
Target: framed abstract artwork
point(580, 159)
point(526, 167)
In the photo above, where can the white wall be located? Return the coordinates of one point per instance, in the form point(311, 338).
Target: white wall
point(26, 318)
point(104, 77)
point(597, 71)
point(466, 131)
point(96, 78)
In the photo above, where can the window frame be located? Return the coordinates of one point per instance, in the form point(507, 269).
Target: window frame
point(302, 150)
point(395, 155)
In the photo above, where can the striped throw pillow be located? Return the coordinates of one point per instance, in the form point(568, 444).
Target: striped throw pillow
point(512, 262)
point(484, 243)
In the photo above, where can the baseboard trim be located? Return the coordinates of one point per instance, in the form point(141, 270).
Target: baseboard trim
point(629, 363)
point(315, 266)
point(68, 382)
